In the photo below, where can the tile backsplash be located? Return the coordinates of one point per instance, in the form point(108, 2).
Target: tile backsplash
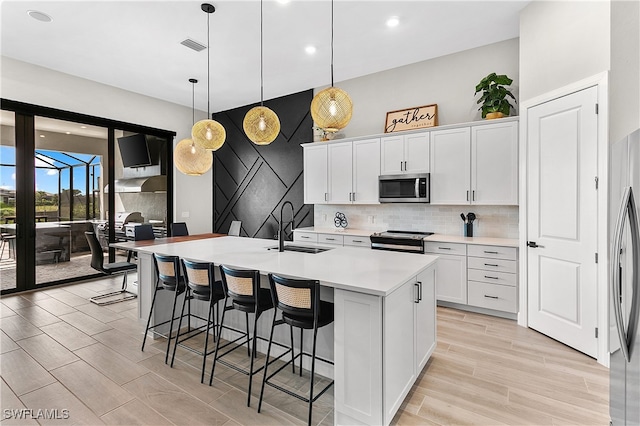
point(492, 221)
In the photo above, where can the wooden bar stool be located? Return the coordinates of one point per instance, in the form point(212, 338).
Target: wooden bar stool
point(201, 285)
point(301, 307)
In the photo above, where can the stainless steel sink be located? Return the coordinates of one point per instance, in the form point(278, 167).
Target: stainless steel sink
point(301, 249)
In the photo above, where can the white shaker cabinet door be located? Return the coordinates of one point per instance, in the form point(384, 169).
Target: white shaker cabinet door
point(392, 155)
point(315, 174)
point(416, 153)
point(450, 166)
point(366, 169)
point(340, 173)
point(494, 164)
point(451, 285)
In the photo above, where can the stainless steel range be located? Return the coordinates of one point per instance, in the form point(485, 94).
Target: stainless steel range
point(407, 241)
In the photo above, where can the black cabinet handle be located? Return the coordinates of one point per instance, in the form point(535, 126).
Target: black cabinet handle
point(444, 248)
point(331, 239)
point(491, 252)
point(357, 241)
point(490, 297)
point(493, 278)
point(417, 299)
point(491, 264)
point(304, 236)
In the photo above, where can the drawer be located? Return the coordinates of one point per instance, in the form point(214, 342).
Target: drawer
point(486, 264)
point(309, 237)
point(331, 239)
point(492, 296)
point(494, 252)
point(492, 277)
point(350, 240)
point(445, 248)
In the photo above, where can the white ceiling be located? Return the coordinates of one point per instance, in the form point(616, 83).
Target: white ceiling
point(135, 45)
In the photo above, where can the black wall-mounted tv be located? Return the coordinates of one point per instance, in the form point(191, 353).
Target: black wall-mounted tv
point(134, 151)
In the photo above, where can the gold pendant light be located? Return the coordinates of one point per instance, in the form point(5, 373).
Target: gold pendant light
point(331, 108)
point(188, 157)
point(261, 124)
point(208, 133)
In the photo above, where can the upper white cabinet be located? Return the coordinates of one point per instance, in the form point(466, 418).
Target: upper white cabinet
point(404, 154)
point(342, 173)
point(494, 164)
point(315, 174)
point(475, 165)
point(451, 166)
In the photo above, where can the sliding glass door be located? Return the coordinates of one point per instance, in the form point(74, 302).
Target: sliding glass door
point(8, 201)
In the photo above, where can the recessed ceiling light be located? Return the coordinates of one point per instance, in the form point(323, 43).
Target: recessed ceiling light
point(83, 127)
point(40, 16)
point(310, 50)
point(42, 136)
point(68, 133)
point(283, 1)
point(393, 22)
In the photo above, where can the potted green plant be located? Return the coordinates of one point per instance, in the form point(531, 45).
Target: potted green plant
point(494, 96)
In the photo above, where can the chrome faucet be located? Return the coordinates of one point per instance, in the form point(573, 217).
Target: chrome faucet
point(281, 231)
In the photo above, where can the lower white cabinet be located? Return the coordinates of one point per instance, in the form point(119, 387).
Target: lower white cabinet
point(451, 271)
point(332, 238)
point(409, 337)
point(476, 275)
point(401, 324)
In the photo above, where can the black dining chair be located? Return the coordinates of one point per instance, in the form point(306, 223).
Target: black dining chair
point(97, 263)
point(179, 229)
point(143, 232)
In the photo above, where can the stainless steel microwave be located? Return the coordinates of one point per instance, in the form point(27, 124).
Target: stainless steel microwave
point(409, 188)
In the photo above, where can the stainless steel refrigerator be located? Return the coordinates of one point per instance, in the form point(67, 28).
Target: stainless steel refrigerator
point(624, 281)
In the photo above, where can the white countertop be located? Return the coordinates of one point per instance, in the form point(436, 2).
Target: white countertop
point(373, 272)
point(488, 241)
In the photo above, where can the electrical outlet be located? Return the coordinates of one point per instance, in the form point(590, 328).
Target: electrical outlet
point(185, 214)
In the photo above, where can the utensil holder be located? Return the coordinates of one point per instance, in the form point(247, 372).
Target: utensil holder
point(468, 229)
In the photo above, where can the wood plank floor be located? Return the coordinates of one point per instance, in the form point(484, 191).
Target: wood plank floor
point(59, 351)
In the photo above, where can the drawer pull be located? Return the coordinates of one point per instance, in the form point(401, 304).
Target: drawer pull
point(493, 278)
point(491, 297)
point(331, 239)
point(444, 248)
point(491, 252)
point(304, 236)
point(357, 241)
point(491, 264)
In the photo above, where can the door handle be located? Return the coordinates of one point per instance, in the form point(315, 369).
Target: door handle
point(627, 208)
point(533, 244)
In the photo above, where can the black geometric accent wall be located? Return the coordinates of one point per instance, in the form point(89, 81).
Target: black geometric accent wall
point(251, 182)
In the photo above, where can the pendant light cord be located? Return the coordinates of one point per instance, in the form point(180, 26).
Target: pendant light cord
point(193, 102)
point(208, 68)
point(261, 65)
point(331, 43)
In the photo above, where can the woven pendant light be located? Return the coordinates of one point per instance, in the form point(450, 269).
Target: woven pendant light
point(188, 157)
point(208, 133)
point(261, 124)
point(331, 108)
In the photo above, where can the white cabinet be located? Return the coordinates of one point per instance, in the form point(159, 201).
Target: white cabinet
point(451, 271)
point(450, 166)
point(315, 174)
point(494, 164)
point(340, 239)
point(404, 154)
point(340, 162)
point(409, 337)
point(493, 278)
point(475, 165)
point(342, 173)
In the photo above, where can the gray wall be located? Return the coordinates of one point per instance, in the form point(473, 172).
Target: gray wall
point(448, 81)
point(562, 42)
point(624, 96)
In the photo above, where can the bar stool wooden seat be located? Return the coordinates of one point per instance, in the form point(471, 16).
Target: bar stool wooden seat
point(300, 304)
point(201, 285)
point(242, 289)
point(169, 279)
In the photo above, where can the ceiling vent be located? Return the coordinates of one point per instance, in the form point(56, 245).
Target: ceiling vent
point(192, 44)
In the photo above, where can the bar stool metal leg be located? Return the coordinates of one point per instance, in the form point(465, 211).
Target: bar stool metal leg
point(146, 330)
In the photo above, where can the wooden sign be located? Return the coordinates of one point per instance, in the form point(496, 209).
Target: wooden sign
point(411, 118)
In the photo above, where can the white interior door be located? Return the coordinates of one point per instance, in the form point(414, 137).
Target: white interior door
point(562, 212)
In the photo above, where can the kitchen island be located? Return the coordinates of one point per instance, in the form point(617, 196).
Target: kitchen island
point(384, 328)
